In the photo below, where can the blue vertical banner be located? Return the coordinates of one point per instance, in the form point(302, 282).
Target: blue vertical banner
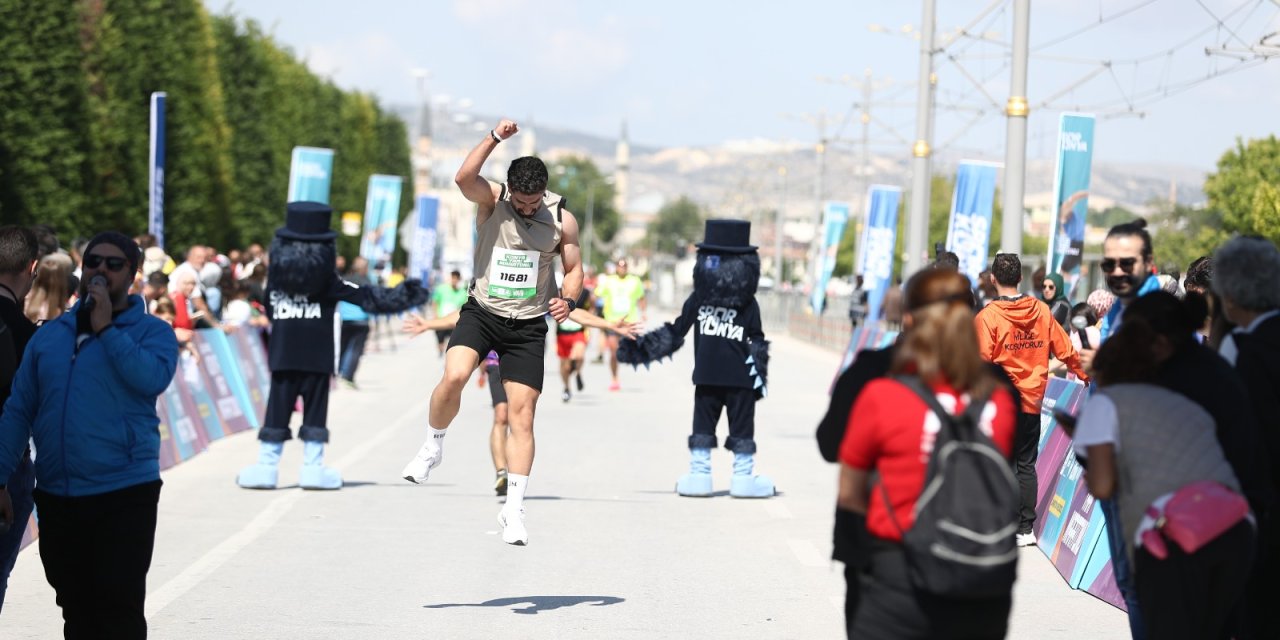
point(882, 234)
point(969, 232)
point(1071, 197)
point(423, 255)
point(835, 215)
point(310, 170)
point(381, 216)
point(155, 217)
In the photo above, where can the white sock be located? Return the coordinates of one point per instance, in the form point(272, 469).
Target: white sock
point(516, 484)
point(435, 440)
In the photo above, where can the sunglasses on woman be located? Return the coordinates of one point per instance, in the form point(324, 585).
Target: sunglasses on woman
point(114, 264)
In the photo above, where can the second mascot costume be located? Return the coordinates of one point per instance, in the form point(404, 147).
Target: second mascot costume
point(730, 357)
point(303, 290)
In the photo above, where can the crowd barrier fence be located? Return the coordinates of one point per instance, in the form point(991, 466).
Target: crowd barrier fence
point(223, 391)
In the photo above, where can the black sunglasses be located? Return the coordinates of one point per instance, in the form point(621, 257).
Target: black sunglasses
point(1126, 264)
point(93, 261)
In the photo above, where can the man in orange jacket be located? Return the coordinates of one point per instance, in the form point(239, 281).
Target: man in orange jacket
point(1018, 333)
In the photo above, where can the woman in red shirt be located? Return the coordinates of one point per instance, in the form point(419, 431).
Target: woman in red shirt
point(891, 431)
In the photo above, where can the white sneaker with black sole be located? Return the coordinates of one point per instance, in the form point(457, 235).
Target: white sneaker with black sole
point(513, 531)
point(1026, 539)
point(421, 465)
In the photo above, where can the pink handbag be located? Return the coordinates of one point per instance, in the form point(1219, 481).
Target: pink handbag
point(1195, 515)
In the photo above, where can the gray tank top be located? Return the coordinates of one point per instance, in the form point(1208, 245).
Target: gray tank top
point(514, 256)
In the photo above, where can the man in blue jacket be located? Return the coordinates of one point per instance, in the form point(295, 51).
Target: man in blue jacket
point(86, 393)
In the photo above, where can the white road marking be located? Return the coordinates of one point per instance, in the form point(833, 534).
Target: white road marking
point(807, 553)
point(778, 510)
point(205, 565)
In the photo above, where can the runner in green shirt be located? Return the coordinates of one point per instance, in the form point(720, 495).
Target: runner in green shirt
point(448, 299)
point(623, 297)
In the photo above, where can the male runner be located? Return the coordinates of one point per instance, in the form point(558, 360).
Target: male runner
point(623, 297)
point(520, 229)
point(448, 298)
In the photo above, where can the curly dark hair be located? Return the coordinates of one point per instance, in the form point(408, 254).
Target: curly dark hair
point(1136, 228)
point(1199, 275)
point(527, 175)
point(1007, 268)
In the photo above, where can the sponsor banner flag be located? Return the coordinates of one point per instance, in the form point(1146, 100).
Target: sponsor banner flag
point(309, 174)
point(1070, 526)
point(1071, 197)
point(882, 232)
point(253, 370)
point(835, 215)
point(228, 359)
point(969, 232)
point(381, 216)
point(423, 254)
point(155, 219)
point(231, 416)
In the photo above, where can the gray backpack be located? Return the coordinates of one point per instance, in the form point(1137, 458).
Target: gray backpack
point(962, 543)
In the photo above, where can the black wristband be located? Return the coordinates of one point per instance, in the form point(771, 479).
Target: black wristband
point(573, 304)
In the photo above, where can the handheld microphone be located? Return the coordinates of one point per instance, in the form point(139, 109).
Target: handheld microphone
point(89, 301)
point(1080, 325)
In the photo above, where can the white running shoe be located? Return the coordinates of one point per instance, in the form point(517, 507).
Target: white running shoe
point(1026, 539)
point(421, 465)
point(513, 531)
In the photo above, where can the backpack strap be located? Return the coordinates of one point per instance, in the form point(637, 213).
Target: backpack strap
point(972, 412)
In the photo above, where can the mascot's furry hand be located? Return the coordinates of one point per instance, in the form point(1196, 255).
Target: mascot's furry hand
point(759, 363)
point(650, 347)
point(406, 295)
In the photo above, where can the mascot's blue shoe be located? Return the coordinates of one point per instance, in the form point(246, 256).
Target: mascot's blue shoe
point(266, 473)
point(314, 474)
point(746, 485)
point(696, 483)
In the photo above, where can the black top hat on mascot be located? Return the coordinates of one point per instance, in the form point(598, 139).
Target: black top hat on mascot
point(308, 222)
point(727, 236)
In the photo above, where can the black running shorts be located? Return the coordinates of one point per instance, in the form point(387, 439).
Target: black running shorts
point(521, 344)
point(496, 391)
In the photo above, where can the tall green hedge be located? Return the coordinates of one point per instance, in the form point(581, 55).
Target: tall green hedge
point(77, 77)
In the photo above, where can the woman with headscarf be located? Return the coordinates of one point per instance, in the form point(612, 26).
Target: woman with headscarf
point(1054, 294)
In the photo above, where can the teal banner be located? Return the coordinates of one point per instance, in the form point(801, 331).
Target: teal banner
point(969, 232)
point(381, 218)
point(310, 173)
point(1071, 197)
point(835, 215)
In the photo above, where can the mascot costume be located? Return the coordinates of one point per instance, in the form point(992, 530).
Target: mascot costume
point(303, 290)
point(730, 357)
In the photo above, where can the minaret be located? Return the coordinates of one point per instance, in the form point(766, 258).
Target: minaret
point(621, 172)
point(528, 139)
point(422, 147)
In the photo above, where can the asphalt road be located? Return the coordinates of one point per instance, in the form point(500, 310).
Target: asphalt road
point(613, 552)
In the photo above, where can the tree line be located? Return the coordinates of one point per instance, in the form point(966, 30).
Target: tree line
point(77, 77)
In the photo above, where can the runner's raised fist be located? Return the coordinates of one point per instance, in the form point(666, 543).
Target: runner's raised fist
point(506, 129)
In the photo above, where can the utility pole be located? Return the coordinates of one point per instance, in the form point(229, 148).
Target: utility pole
point(778, 231)
point(1015, 150)
point(918, 220)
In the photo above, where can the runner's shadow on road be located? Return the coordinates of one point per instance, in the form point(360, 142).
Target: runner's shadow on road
point(538, 603)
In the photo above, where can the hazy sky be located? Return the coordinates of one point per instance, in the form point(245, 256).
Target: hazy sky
point(701, 72)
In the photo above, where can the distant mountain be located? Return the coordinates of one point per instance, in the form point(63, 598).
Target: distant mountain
point(744, 177)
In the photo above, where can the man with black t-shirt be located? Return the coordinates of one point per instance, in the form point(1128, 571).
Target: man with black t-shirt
point(18, 259)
